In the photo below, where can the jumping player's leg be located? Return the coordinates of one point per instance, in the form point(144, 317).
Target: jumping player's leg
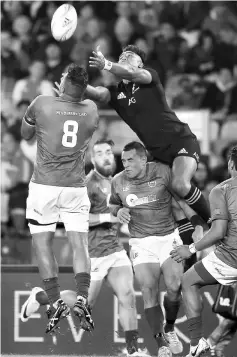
point(183, 170)
point(74, 208)
point(38, 297)
point(195, 278)
point(121, 280)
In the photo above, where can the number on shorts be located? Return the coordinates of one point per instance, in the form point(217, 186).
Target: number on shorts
point(72, 134)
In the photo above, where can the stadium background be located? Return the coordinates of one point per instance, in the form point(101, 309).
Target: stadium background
point(193, 46)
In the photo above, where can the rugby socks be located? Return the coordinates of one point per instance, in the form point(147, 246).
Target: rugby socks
point(131, 338)
point(52, 289)
point(195, 330)
point(83, 281)
point(185, 231)
point(198, 203)
point(171, 312)
point(155, 319)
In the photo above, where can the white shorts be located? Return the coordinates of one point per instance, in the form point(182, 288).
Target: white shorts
point(223, 273)
point(100, 266)
point(50, 204)
point(153, 249)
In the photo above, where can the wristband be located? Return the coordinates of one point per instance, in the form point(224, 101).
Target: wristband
point(104, 217)
point(192, 248)
point(108, 65)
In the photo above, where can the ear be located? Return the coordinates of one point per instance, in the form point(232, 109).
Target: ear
point(141, 65)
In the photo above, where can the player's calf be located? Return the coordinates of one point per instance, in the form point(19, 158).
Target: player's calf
point(172, 272)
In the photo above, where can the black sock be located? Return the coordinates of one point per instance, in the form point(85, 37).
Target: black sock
point(131, 337)
point(185, 231)
point(198, 203)
point(52, 289)
point(171, 311)
point(83, 281)
point(195, 329)
point(155, 319)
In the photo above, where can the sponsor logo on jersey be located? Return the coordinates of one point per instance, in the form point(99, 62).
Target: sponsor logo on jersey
point(121, 96)
point(152, 183)
point(134, 255)
point(132, 200)
point(59, 112)
point(183, 151)
point(131, 101)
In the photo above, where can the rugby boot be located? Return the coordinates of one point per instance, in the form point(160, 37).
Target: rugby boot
point(202, 347)
point(31, 305)
point(175, 344)
point(83, 311)
point(164, 351)
point(138, 353)
point(61, 311)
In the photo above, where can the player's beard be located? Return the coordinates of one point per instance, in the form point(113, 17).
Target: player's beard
point(106, 170)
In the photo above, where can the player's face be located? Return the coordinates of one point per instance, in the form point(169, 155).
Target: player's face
point(130, 60)
point(103, 159)
point(133, 163)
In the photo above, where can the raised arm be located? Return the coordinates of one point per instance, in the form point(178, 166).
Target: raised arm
point(98, 94)
point(136, 75)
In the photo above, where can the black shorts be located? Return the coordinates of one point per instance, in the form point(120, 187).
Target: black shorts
point(187, 146)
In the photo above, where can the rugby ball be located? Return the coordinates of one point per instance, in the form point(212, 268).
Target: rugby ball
point(64, 22)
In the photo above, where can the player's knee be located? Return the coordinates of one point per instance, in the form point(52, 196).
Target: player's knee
point(150, 295)
point(126, 298)
point(180, 186)
point(173, 288)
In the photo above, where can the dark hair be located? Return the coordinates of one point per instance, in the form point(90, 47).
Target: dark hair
point(137, 50)
point(140, 148)
point(233, 155)
point(104, 141)
point(77, 75)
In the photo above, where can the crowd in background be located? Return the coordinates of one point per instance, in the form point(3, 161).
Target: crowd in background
point(192, 45)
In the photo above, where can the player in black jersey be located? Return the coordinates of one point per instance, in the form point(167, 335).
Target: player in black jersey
point(140, 101)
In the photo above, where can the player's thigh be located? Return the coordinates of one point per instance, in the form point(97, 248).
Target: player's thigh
point(197, 276)
point(94, 290)
point(120, 277)
point(186, 158)
point(74, 206)
point(42, 203)
point(147, 275)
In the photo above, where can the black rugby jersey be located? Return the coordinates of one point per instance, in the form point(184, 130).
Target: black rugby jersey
point(145, 109)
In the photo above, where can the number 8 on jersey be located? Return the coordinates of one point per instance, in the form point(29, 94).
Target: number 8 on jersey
point(70, 129)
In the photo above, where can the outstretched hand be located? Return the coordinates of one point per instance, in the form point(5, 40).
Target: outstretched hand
point(98, 59)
